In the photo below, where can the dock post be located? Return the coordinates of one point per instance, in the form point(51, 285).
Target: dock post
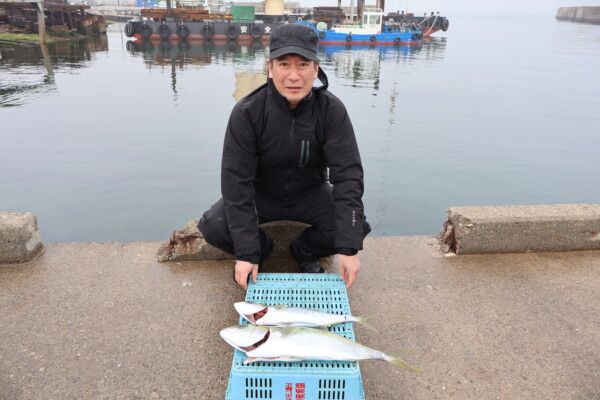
point(41, 21)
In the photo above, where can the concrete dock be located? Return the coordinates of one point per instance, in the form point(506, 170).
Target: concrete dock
point(107, 321)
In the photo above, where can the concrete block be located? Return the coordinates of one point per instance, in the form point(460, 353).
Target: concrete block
point(20, 239)
point(519, 229)
point(187, 244)
point(590, 15)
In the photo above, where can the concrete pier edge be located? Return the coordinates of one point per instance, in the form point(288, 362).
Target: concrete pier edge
point(521, 229)
point(20, 239)
point(467, 230)
point(589, 15)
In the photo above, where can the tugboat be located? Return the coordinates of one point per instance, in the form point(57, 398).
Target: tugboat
point(371, 30)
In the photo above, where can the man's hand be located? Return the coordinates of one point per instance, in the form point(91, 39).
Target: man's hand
point(349, 267)
point(242, 270)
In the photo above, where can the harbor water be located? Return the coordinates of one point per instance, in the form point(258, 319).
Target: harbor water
point(115, 139)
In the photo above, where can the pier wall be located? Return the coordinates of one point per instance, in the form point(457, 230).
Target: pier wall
point(20, 239)
point(590, 15)
point(521, 229)
point(467, 230)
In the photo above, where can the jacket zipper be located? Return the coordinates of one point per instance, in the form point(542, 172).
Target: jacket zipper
point(289, 170)
point(304, 154)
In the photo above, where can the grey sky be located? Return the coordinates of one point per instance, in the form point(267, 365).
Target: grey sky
point(455, 7)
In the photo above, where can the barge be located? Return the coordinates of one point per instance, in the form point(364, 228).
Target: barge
point(215, 29)
point(197, 23)
point(427, 24)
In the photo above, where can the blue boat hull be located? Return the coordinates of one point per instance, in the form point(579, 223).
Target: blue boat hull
point(410, 38)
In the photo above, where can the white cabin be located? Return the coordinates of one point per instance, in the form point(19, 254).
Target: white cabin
point(370, 24)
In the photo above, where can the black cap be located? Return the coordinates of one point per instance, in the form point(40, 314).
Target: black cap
point(294, 38)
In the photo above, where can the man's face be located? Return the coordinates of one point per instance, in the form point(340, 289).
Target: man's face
point(293, 76)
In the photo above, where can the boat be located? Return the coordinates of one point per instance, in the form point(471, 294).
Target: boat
point(59, 16)
point(427, 24)
point(370, 30)
point(242, 24)
point(209, 28)
point(199, 30)
point(199, 23)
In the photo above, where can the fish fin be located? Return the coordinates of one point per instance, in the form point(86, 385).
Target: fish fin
point(363, 321)
point(395, 359)
point(280, 307)
point(249, 318)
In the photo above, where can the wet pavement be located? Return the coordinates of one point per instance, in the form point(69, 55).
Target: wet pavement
point(107, 321)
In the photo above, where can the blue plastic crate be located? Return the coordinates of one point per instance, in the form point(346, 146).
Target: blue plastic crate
point(304, 380)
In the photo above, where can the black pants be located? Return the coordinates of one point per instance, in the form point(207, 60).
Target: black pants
point(314, 207)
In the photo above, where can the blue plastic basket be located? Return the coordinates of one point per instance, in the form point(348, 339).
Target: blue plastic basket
point(304, 380)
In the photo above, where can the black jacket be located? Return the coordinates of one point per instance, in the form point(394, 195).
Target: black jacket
point(280, 152)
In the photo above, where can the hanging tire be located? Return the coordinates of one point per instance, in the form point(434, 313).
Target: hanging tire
point(256, 32)
point(183, 31)
point(397, 39)
point(164, 31)
point(207, 31)
point(232, 32)
point(322, 34)
point(146, 31)
point(445, 24)
point(129, 30)
point(349, 38)
point(373, 38)
point(416, 36)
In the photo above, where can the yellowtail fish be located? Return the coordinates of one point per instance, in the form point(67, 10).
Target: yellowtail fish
point(284, 316)
point(261, 343)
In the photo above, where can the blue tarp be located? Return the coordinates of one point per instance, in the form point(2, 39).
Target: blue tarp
point(146, 3)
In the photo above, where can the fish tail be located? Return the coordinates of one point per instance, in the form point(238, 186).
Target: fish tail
point(395, 359)
point(363, 321)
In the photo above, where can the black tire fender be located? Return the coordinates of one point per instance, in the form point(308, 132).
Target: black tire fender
point(183, 31)
point(416, 36)
point(322, 34)
point(207, 31)
point(256, 32)
point(349, 38)
point(146, 31)
point(164, 31)
point(397, 39)
point(129, 30)
point(373, 38)
point(232, 32)
point(445, 24)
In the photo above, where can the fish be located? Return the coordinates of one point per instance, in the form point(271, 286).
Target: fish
point(262, 343)
point(284, 316)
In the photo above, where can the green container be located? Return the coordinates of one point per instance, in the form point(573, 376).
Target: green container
point(243, 13)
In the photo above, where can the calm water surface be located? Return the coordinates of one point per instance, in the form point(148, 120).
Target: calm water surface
point(112, 139)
